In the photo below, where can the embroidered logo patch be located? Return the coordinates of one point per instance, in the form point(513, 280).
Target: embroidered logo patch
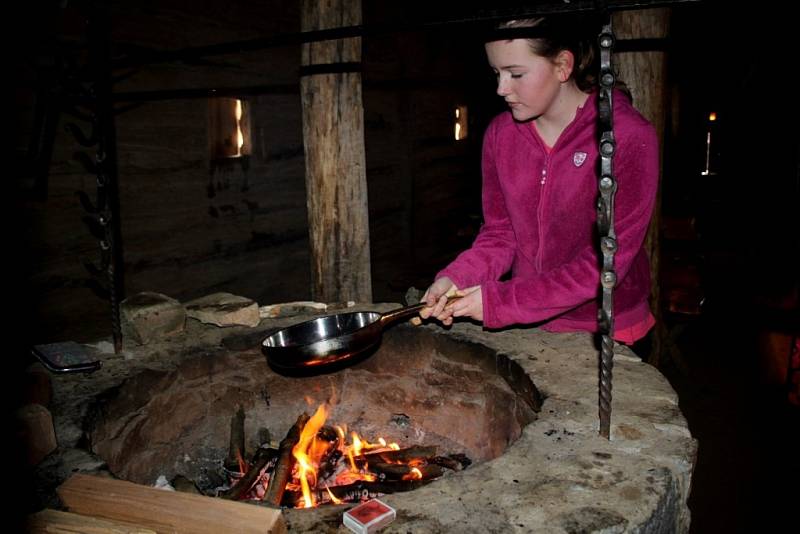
point(578, 158)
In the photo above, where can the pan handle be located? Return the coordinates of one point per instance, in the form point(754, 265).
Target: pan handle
point(408, 311)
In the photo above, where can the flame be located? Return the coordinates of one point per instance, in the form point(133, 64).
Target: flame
point(712, 116)
point(311, 450)
point(239, 133)
point(306, 467)
point(242, 463)
point(415, 474)
point(333, 497)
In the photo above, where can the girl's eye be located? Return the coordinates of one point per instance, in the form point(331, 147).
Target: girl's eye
point(516, 75)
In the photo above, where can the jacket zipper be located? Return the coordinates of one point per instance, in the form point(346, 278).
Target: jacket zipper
point(542, 183)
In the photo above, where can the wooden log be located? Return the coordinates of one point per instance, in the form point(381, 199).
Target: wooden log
point(57, 522)
point(333, 139)
point(243, 485)
point(417, 452)
point(454, 462)
point(165, 511)
point(645, 74)
point(356, 491)
point(236, 443)
point(283, 469)
point(392, 472)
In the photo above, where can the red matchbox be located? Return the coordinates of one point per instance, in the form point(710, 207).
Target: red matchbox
point(368, 517)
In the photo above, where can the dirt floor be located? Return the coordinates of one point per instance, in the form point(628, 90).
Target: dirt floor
point(748, 465)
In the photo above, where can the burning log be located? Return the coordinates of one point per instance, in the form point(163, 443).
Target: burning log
point(393, 472)
point(405, 456)
point(236, 448)
point(283, 469)
point(358, 491)
point(262, 459)
point(330, 460)
point(455, 462)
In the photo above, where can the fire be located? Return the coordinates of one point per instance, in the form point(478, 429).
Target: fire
point(415, 474)
point(306, 465)
point(311, 450)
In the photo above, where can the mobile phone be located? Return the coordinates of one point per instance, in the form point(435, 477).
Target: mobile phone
point(66, 357)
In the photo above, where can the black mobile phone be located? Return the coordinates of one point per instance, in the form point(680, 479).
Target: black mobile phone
point(66, 357)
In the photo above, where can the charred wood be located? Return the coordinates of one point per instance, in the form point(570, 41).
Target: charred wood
point(236, 448)
point(283, 468)
point(358, 491)
point(261, 461)
point(455, 462)
point(394, 472)
point(399, 456)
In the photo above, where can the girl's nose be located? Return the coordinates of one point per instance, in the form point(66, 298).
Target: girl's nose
point(502, 86)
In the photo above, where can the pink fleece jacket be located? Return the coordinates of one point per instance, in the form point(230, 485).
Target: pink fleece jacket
point(539, 212)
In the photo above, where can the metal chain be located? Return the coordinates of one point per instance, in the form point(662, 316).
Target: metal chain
point(605, 224)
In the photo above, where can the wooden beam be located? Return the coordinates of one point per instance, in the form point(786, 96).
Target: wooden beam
point(644, 72)
point(333, 137)
point(165, 511)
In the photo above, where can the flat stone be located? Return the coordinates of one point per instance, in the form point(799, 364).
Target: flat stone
point(224, 309)
point(149, 316)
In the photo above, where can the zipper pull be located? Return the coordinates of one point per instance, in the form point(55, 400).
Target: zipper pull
point(544, 176)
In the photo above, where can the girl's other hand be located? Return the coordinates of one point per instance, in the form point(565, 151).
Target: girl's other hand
point(469, 305)
point(436, 298)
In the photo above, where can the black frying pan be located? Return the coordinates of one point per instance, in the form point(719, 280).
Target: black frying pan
point(329, 342)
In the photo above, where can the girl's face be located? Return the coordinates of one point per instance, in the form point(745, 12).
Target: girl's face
point(528, 83)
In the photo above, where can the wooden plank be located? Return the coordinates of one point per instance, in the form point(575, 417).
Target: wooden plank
point(58, 522)
point(645, 74)
point(333, 139)
point(166, 511)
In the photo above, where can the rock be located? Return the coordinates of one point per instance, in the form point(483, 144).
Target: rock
point(36, 432)
point(290, 309)
point(149, 316)
point(224, 309)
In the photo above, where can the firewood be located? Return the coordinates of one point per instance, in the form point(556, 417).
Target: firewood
point(455, 462)
point(391, 472)
point(243, 485)
point(283, 468)
point(329, 461)
point(236, 447)
point(356, 491)
point(406, 455)
point(328, 464)
point(55, 521)
point(165, 511)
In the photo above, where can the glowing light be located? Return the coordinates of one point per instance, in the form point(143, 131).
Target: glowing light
point(460, 127)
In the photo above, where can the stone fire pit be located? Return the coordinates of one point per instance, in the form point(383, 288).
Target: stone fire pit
point(557, 474)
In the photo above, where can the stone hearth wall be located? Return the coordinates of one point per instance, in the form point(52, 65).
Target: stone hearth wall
point(559, 476)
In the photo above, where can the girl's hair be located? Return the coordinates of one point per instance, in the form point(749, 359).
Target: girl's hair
point(549, 36)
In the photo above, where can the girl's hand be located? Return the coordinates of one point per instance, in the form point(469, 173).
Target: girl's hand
point(469, 305)
point(436, 298)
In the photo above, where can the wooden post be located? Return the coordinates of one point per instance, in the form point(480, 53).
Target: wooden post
point(333, 137)
point(644, 72)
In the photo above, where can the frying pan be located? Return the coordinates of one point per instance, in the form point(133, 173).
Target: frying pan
point(329, 342)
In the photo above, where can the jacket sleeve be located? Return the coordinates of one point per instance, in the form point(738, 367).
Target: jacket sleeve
point(492, 252)
point(546, 295)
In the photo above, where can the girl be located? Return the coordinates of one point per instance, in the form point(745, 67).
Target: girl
point(539, 167)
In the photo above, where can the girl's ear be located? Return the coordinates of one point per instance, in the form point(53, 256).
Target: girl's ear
point(564, 62)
